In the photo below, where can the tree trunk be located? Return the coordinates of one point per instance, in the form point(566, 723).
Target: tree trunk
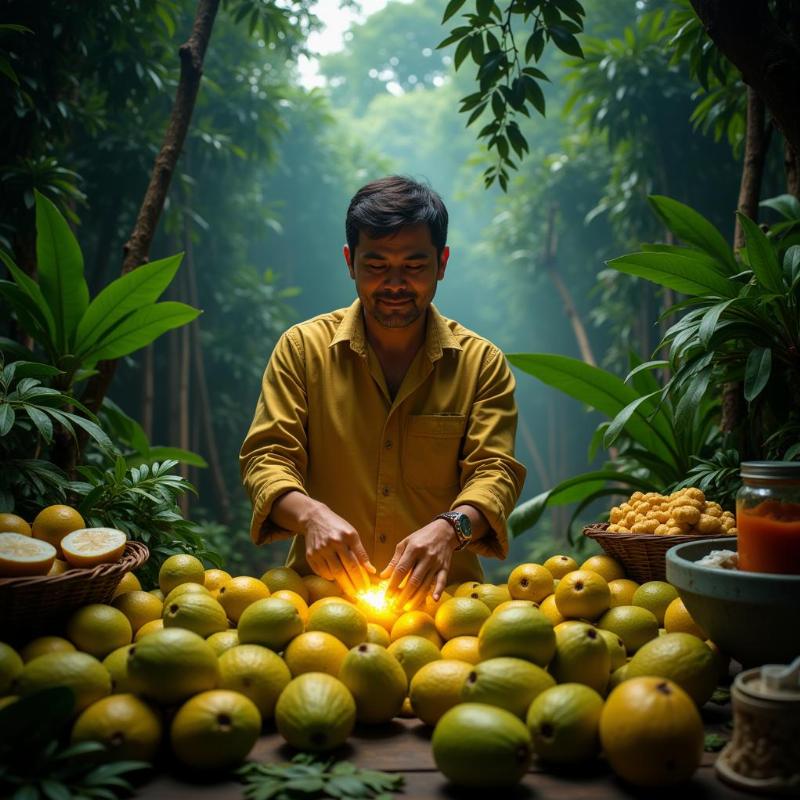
point(792, 168)
point(183, 400)
point(765, 52)
point(148, 391)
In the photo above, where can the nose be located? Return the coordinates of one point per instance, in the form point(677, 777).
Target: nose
point(395, 277)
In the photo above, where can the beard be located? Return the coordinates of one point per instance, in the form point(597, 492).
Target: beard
point(399, 316)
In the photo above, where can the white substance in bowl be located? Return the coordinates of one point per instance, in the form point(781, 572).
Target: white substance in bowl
point(722, 559)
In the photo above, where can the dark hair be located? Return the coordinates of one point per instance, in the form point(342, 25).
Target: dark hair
point(388, 204)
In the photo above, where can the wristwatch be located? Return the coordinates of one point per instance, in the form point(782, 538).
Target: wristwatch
point(461, 525)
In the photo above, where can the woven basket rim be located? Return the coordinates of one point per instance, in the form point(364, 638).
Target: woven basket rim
point(598, 530)
point(134, 555)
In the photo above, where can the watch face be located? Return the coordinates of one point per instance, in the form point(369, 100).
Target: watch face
point(465, 525)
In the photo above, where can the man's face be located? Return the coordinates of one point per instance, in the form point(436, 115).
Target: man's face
point(396, 276)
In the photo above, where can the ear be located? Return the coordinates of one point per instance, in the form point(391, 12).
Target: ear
point(443, 263)
point(348, 259)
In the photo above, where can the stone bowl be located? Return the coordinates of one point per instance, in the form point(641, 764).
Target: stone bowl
point(753, 617)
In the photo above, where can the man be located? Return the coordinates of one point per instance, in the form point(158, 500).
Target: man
point(384, 432)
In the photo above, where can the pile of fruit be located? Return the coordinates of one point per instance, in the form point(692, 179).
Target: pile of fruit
point(565, 662)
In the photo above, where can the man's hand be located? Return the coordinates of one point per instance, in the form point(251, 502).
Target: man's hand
point(424, 559)
point(334, 551)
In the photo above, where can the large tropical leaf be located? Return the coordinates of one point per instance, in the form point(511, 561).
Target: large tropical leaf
point(762, 257)
point(60, 265)
point(31, 289)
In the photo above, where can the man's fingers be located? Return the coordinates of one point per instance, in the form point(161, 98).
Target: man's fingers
point(441, 582)
point(355, 572)
point(417, 579)
point(342, 577)
point(391, 568)
point(319, 566)
point(363, 558)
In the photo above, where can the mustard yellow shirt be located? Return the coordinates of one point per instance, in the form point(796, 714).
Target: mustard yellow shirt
point(326, 425)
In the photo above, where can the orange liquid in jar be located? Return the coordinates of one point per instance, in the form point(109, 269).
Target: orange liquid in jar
point(769, 537)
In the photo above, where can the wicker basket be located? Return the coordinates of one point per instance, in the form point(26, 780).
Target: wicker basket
point(39, 603)
point(642, 554)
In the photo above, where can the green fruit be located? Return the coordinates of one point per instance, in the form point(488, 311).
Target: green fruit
point(10, 666)
point(196, 612)
point(272, 622)
point(616, 648)
point(376, 680)
point(634, 625)
point(315, 712)
point(581, 656)
point(116, 662)
point(84, 674)
point(477, 745)
point(518, 632)
point(508, 683)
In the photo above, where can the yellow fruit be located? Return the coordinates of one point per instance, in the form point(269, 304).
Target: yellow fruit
point(377, 634)
point(431, 606)
point(160, 595)
point(633, 624)
point(616, 648)
point(185, 588)
point(406, 711)
point(559, 566)
point(461, 616)
point(139, 607)
point(651, 732)
point(238, 593)
point(285, 578)
point(323, 601)
point(681, 657)
point(519, 633)
point(436, 688)
point(343, 620)
point(22, 555)
point(549, 608)
point(172, 664)
point(98, 629)
point(319, 587)
point(271, 622)
point(617, 676)
point(215, 729)
point(116, 662)
point(53, 523)
point(43, 645)
point(581, 656)
point(606, 566)
point(128, 583)
point(178, 569)
point(515, 604)
point(195, 612)
point(257, 673)
point(678, 620)
point(295, 600)
point(462, 648)
point(564, 722)
point(314, 651)
point(413, 652)
point(465, 589)
point(148, 628)
point(509, 683)
point(655, 596)
point(11, 665)
point(315, 712)
point(59, 567)
point(11, 523)
point(416, 623)
point(214, 578)
point(582, 593)
point(88, 547)
point(530, 582)
point(127, 726)
point(622, 590)
point(491, 595)
point(376, 681)
point(83, 674)
point(223, 640)
point(475, 745)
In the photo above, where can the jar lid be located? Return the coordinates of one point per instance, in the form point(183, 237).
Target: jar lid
point(770, 469)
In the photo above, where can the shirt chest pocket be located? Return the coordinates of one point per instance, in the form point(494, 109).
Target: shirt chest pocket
point(431, 450)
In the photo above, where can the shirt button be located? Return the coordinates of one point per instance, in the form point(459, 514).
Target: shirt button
point(387, 444)
point(386, 491)
point(382, 538)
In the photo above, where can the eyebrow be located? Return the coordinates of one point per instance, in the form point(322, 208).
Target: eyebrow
point(408, 256)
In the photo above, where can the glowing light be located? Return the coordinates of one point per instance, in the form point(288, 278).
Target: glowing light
point(375, 597)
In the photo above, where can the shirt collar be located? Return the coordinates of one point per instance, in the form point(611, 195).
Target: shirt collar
point(438, 335)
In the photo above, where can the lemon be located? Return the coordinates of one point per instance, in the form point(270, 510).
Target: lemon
point(223, 640)
point(215, 729)
point(126, 725)
point(413, 652)
point(530, 582)
point(184, 588)
point(43, 645)
point(436, 688)
point(582, 593)
point(98, 629)
point(10, 666)
point(255, 672)
point(462, 648)
point(271, 622)
point(558, 566)
point(491, 595)
point(678, 620)
point(616, 648)
point(11, 523)
point(53, 523)
point(416, 623)
point(465, 589)
point(178, 569)
point(139, 607)
point(83, 674)
point(377, 634)
point(655, 596)
point(520, 633)
point(148, 628)
point(88, 547)
point(295, 600)
point(342, 620)
point(116, 662)
point(564, 722)
point(622, 591)
point(195, 612)
point(59, 567)
point(315, 651)
point(634, 625)
point(285, 578)
point(581, 656)
point(549, 608)
point(431, 606)
point(604, 565)
point(214, 578)
point(461, 616)
point(515, 604)
point(128, 583)
point(509, 683)
point(22, 555)
point(238, 593)
point(376, 681)
point(318, 587)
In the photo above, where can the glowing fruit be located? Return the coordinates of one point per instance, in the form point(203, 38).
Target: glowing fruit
point(462, 648)
point(530, 582)
point(651, 732)
point(223, 640)
point(461, 616)
point(377, 634)
point(199, 613)
point(476, 745)
point(678, 620)
point(436, 688)
point(178, 569)
point(582, 593)
point(53, 523)
point(315, 651)
point(257, 673)
point(581, 656)
point(172, 664)
point(376, 681)
point(116, 662)
point(139, 607)
point(564, 722)
point(413, 652)
point(215, 729)
point(341, 619)
point(318, 587)
point(11, 523)
point(559, 566)
point(655, 596)
point(11, 665)
point(98, 629)
point(88, 547)
point(622, 590)
point(285, 578)
point(416, 623)
point(22, 555)
point(127, 726)
point(634, 625)
point(83, 674)
point(508, 683)
point(606, 566)
point(43, 645)
point(128, 583)
point(315, 712)
point(520, 633)
point(214, 578)
point(238, 593)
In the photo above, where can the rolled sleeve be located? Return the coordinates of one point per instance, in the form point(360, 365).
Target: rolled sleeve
point(491, 478)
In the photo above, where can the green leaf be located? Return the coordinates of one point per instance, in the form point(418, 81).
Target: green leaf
point(7, 418)
point(55, 790)
point(621, 420)
point(708, 324)
point(693, 228)
point(33, 291)
point(791, 264)
point(681, 273)
point(462, 51)
point(453, 7)
point(41, 421)
point(756, 372)
point(761, 256)
point(565, 41)
point(159, 453)
point(94, 430)
point(139, 288)
point(141, 327)
point(60, 266)
point(787, 205)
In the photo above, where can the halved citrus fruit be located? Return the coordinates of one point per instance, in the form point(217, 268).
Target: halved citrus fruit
point(24, 555)
point(88, 547)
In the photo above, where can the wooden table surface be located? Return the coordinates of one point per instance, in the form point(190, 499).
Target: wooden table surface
point(403, 746)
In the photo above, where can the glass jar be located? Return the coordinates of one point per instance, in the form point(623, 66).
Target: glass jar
point(768, 517)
